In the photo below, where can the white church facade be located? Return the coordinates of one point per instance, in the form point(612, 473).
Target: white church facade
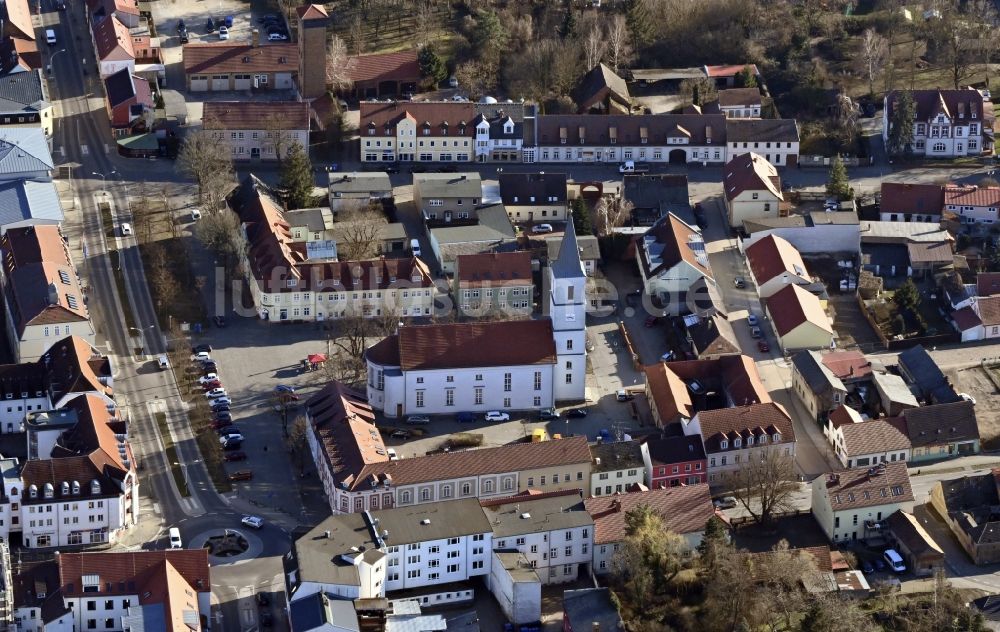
point(475, 367)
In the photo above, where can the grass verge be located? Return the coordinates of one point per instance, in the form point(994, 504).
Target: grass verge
point(114, 257)
point(170, 450)
point(209, 446)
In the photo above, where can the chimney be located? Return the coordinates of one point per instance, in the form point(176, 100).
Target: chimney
point(327, 534)
point(255, 38)
point(616, 505)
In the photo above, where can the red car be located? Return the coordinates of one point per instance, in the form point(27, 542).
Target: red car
point(763, 346)
point(237, 455)
point(218, 424)
point(210, 385)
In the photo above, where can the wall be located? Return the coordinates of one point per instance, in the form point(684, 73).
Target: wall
point(744, 207)
point(538, 213)
point(434, 386)
point(553, 570)
point(611, 481)
point(36, 340)
point(520, 600)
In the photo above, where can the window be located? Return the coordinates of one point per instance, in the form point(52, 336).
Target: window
point(568, 551)
point(506, 382)
point(479, 395)
point(449, 397)
point(420, 399)
point(538, 380)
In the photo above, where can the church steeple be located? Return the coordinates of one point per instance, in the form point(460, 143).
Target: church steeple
point(568, 264)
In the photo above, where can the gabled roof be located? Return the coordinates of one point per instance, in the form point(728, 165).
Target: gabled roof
point(951, 103)
point(127, 573)
point(312, 12)
point(729, 70)
point(400, 65)
point(343, 424)
point(256, 115)
point(527, 513)
point(857, 488)
point(18, 14)
point(937, 424)
point(74, 366)
point(989, 310)
point(448, 185)
point(22, 200)
point(677, 449)
point(714, 335)
point(918, 367)
point(875, 436)
point(670, 394)
point(988, 197)
point(966, 318)
point(734, 97)
point(847, 365)
point(553, 129)
point(906, 528)
point(494, 269)
point(113, 40)
point(122, 87)
point(23, 149)
point(599, 83)
point(662, 192)
point(676, 242)
point(207, 59)
point(773, 256)
point(911, 198)
point(23, 92)
point(756, 420)
point(750, 172)
point(532, 189)
point(761, 130)
point(792, 306)
point(616, 455)
point(816, 373)
point(685, 509)
point(476, 344)
point(988, 283)
point(458, 116)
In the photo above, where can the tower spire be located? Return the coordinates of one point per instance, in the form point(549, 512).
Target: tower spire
point(568, 264)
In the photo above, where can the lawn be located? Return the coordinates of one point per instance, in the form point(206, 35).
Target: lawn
point(170, 451)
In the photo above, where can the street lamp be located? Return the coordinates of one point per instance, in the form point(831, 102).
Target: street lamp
point(53, 58)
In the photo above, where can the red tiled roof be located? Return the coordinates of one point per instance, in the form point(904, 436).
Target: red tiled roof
point(989, 310)
point(966, 318)
point(669, 393)
point(750, 172)
point(476, 344)
point(743, 421)
point(847, 364)
point(126, 573)
point(739, 96)
point(312, 12)
point(972, 196)
point(237, 115)
point(494, 269)
point(845, 416)
point(876, 435)
point(739, 377)
point(458, 116)
point(114, 42)
point(398, 66)
point(674, 234)
point(858, 488)
point(792, 306)
point(684, 510)
point(952, 103)
point(910, 198)
point(772, 256)
point(730, 70)
point(228, 58)
point(988, 283)
point(344, 426)
point(73, 367)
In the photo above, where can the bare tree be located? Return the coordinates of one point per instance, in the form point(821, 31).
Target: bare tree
point(425, 20)
point(359, 226)
point(951, 38)
point(874, 51)
point(206, 157)
point(298, 443)
point(619, 42)
point(338, 65)
point(594, 46)
point(609, 215)
point(699, 91)
point(357, 34)
point(764, 483)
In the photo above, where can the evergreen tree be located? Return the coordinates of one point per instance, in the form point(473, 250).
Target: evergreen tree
point(907, 296)
point(713, 543)
point(901, 124)
point(581, 218)
point(297, 177)
point(746, 79)
point(431, 65)
point(838, 184)
point(568, 28)
point(639, 22)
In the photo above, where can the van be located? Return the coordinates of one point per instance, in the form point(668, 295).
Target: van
point(50, 37)
point(175, 538)
point(415, 247)
point(162, 362)
point(894, 560)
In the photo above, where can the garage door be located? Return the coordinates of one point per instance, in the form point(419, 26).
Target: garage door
point(220, 82)
point(199, 85)
point(243, 82)
point(283, 81)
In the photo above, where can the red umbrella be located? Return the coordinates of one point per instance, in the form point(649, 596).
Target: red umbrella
point(316, 358)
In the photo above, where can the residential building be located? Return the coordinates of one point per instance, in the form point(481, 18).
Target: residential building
point(24, 155)
point(949, 123)
point(258, 129)
point(164, 590)
point(617, 467)
point(443, 198)
point(380, 75)
point(18, 55)
point(534, 197)
point(972, 204)
point(894, 395)
point(732, 436)
point(368, 555)
point(312, 46)
point(671, 257)
point(921, 554)
point(494, 281)
point(911, 202)
point(799, 319)
point(851, 504)
point(940, 431)
point(712, 336)
point(113, 46)
point(16, 16)
point(684, 510)
point(591, 609)
point(968, 506)
point(6, 589)
point(590, 250)
point(775, 263)
point(493, 233)
point(860, 442)
point(236, 66)
point(357, 474)
point(816, 386)
point(24, 101)
point(26, 203)
point(777, 140)
point(602, 91)
point(752, 189)
point(674, 461)
point(125, 10)
point(359, 188)
point(43, 296)
point(740, 102)
point(925, 378)
point(552, 530)
point(501, 129)
point(129, 101)
point(292, 280)
point(425, 131)
point(654, 196)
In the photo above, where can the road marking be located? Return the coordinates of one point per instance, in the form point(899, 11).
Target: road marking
point(84, 150)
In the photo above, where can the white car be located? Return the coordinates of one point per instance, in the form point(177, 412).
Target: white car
point(231, 438)
point(541, 228)
point(277, 37)
point(223, 33)
point(211, 377)
point(216, 393)
point(126, 229)
point(202, 356)
point(968, 398)
point(496, 415)
point(391, 453)
point(252, 521)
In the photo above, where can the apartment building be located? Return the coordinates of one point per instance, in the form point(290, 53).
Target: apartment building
point(851, 504)
point(671, 257)
point(446, 198)
point(24, 101)
point(674, 461)
point(424, 131)
point(617, 467)
point(258, 130)
point(494, 281)
point(534, 197)
point(552, 530)
point(43, 296)
point(949, 123)
point(973, 204)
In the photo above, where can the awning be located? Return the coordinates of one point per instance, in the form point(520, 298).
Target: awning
point(316, 358)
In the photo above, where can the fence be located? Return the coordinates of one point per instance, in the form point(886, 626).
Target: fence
point(892, 344)
point(824, 161)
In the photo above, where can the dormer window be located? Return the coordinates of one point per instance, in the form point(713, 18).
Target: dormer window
point(724, 444)
point(777, 437)
point(371, 129)
point(737, 442)
point(33, 491)
point(763, 439)
point(76, 488)
point(750, 440)
point(427, 129)
point(388, 130)
point(95, 487)
point(64, 489)
point(50, 491)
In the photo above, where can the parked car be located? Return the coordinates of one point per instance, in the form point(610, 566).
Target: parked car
point(228, 21)
point(126, 229)
point(209, 377)
point(223, 33)
point(755, 332)
point(222, 422)
point(183, 37)
point(465, 417)
point(256, 522)
point(763, 346)
point(211, 386)
point(267, 17)
point(235, 455)
point(202, 356)
point(284, 388)
point(228, 430)
point(418, 420)
point(210, 25)
point(230, 444)
point(541, 228)
point(220, 321)
point(202, 348)
point(623, 395)
point(577, 413)
point(726, 502)
point(752, 320)
point(210, 366)
point(241, 475)
point(400, 433)
point(220, 403)
point(968, 398)
point(277, 36)
point(878, 564)
point(181, 27)
point(739, 282)
point(391, 453)
point(216, 393)
point(866, 567)
point(230, 438)
point(496, 415)
point(548, 414)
